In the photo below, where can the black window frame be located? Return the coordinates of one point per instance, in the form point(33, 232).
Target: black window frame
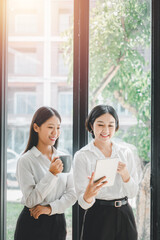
point(80, 92)
point(155, 121)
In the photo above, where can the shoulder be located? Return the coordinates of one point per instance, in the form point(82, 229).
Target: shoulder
point(123, 147)
point(26, 158)
point(83, 155)
point(125, 152)
point(83, 151)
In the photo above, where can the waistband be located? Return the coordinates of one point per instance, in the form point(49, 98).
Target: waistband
point(112, 203)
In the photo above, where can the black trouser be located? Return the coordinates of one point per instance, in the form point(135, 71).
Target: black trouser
point(44, 228)
point(109, 223)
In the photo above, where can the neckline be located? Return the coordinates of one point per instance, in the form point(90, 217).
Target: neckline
point(99, 151)
point(37, 153)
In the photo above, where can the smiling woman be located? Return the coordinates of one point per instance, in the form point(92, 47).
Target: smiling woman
point(102, 122)
point(48, 132)
point(36, 76)
point(47, 192)
point(120, 75)
point(108, 213)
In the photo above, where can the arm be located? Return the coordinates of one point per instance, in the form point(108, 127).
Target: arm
point(93, 188)
point(86, 189)
point(129, 175)
point(34, 193)
point(67, 199)
point(60, 205)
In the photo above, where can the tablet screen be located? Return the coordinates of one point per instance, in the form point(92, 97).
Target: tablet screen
point(106, 167)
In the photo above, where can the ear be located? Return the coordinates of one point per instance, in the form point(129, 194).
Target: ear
point(35, 127)
point(91, 127)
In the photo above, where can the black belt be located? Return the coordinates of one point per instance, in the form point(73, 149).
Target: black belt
point(112, 203)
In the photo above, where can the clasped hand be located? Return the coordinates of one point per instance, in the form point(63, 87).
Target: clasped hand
point(56, 166)
point(39, 210)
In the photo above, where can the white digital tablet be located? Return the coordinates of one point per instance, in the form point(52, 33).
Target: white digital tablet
point(106, 167)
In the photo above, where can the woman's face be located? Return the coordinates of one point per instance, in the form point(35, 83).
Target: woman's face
point(104, 127)
point(49, 131)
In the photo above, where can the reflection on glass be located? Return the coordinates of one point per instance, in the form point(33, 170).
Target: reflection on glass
point(119, 75)
point(37, 76)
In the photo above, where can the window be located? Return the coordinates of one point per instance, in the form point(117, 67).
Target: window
point(66, 139)
point(32, 6)
point(11, 59)
point(120, 76)
point(25, 103)
point(62, 67)
point(26, 24)
point(32, 84)
point(25, 63)
point(64, 22)
point(65, 103)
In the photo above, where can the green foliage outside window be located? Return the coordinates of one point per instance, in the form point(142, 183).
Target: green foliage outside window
point(119, 35)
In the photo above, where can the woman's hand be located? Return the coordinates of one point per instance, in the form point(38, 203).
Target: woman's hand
point(93, 188)
point(122, 170)
point(39, 210)
point(56, 166)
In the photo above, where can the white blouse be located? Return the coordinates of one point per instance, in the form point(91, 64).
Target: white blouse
point(84, 164)
point(40, 186)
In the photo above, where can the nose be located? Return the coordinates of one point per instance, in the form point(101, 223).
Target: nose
point(106, 129)
point(54, 131)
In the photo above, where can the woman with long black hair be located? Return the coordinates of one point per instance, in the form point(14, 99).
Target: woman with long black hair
point(47, 192)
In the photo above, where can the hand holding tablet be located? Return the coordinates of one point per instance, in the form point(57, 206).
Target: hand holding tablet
point(106, 167)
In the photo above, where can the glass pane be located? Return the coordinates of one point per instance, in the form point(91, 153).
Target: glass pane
point(38, 76)
point(119, 75)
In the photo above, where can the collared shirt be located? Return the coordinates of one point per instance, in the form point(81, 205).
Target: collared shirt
point(40, 186)
point(84, 164)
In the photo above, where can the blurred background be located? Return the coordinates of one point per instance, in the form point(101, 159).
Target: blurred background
point(40, 66)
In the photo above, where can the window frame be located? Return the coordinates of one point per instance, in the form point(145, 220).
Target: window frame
point(80, 92)
point(155, 121)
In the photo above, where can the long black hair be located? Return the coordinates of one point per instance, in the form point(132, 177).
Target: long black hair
point(40, 116)
point(96, 112)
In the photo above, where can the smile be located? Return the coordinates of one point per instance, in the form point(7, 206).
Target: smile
point(105, 135)
point(52, 139)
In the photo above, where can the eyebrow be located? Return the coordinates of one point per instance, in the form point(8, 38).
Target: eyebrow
point(103, 122)
point(54, 124)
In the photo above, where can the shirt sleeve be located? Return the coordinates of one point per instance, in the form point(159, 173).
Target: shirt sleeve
point(33, 193)
point(81, 181)
point(67, 199)
point(131, 187)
